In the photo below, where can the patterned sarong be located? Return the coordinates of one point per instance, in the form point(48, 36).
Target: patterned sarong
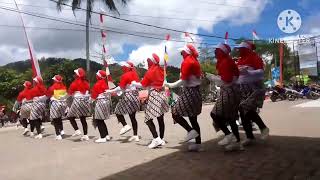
point(80, 107)
point(128, 104)
point(38, 110)
point(102, 109)
point(252, 96)
point(57, 109)
point(227, 104)
point(157, 105)
point(189, 103)
point(25, 110)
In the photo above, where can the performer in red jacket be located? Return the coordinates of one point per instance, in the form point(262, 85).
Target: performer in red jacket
point(129, 103)
point(25, 100)
point(80, 107)
point(252, 90)
point(225, 111)
point(102, 105)
point(57, 94)
point(189, 103)
point(157, 103)
point(38, 93)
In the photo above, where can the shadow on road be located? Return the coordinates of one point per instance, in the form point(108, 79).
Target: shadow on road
point(277, 158)
point(78, 138)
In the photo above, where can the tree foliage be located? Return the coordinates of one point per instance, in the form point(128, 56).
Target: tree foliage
point(65, 69)
point(13, 75)
point(208, 66)
point(10, 84)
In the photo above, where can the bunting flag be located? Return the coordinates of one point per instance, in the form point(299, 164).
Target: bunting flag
point(226, 38)
point(255, 35)
point(34, 61)
point(166, 56)
point(104, 50)
point(188, 37)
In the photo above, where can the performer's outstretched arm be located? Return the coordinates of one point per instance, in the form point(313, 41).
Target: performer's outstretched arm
point(176, 84)
point(214, 78)
point(114, 90)
point(136, 84)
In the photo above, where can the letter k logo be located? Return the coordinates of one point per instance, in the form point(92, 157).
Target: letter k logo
point(288, 21)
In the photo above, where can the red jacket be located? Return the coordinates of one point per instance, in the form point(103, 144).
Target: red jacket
point(251, 59)
point(190, 66)
point(79, 84)
point(227, 69)
point(38, 90)
point(127, 78)
point(99, 87)
point(25, 94)
point(154, 77)
point(55, 86)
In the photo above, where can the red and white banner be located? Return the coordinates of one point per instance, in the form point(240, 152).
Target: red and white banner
point(34, 61)
point(255, 35)
point(188, 38)
point(226, 36)
point(104, 50)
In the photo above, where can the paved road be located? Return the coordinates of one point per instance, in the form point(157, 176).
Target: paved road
point(292, 152)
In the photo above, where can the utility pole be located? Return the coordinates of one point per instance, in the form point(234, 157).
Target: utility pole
point(87, 38)
point(281, 63)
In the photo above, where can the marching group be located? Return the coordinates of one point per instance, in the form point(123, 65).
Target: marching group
point(242, 93)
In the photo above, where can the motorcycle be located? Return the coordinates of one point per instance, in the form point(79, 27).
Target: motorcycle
point(315, 89)
point(306, 92)
point(309, 94)
point(278, 93)
point(292, 94)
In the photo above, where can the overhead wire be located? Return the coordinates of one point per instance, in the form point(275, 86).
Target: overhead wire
point(92, 27)
point(159, 38)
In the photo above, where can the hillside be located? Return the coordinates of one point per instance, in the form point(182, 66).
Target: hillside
point(45, 63)
point(50, 66)
point(14, 74)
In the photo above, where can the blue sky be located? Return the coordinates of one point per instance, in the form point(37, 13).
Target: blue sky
point(266, 26)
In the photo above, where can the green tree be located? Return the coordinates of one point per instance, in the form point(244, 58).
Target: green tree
point(173, 74)
point(90, 3)
point(65, 69)
point(208, 66)
point(11, 83)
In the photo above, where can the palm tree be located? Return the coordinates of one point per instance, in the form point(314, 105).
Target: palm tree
point(110, 4)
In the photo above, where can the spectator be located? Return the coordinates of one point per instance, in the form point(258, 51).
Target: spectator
point(2, 115)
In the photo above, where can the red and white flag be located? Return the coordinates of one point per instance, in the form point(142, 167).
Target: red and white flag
point(226, 36)
point(34, 61)
point(104, 50)
point(188, 38)
point(168, 37)
point(255, 35)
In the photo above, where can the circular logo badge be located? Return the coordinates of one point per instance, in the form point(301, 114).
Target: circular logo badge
point(289, 21)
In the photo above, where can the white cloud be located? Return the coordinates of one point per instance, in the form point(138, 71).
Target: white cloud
point(145, 51)
point(175, 14)
point(195, 10)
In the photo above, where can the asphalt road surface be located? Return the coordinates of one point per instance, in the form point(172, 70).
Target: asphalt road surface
point(291, 152)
